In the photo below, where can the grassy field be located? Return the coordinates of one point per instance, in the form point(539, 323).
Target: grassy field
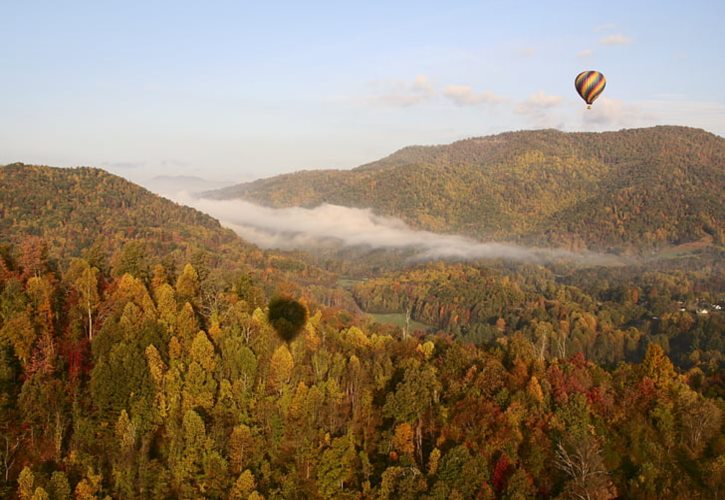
point(685, 249)
point(348, 283)
point(398, 319)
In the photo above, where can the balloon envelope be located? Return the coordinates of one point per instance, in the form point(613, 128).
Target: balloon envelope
point(590, 84)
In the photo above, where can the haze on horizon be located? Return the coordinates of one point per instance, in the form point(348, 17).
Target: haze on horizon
point(230, 92)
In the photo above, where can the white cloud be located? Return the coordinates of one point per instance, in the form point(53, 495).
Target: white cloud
point(463, 95)
point(402, 94)
point(614, 113)
point(585, 53)
point(616, 39)
point(537, 102)
point(541, 111)
point(328, 225)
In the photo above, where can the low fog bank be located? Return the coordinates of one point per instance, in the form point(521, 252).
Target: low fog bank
point(333, 226)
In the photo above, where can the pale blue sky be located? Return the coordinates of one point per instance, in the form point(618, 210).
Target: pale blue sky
point(237, 90)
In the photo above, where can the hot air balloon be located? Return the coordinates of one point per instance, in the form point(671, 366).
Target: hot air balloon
point(590, 84)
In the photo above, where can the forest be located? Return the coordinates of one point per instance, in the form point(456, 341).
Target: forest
point(147, 386)
point(610, 315)
point(140, 357)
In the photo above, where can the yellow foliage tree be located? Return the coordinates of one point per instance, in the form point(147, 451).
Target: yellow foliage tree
point(280, 369)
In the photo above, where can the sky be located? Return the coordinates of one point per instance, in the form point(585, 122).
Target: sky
point(232, 91)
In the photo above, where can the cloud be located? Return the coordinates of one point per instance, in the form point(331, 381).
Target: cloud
point(669, 109)
point(616, 39)
point(537, 102)
point(332, 225)
point(614, 113)
point(402, 94)
point(585, 53)
point(540, 110)
point(463, 95)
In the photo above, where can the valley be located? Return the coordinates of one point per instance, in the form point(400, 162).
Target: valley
point(138, 356)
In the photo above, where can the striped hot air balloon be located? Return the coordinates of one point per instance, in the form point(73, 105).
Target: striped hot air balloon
point(590, 84)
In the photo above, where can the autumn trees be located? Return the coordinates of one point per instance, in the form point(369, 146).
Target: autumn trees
point(631, 190)
point(610, 315)
point(177, 395)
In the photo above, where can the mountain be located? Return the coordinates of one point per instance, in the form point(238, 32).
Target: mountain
point(631, 189)
point(87, 212)
point(74, 209)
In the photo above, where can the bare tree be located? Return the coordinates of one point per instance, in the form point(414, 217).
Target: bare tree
point(407, 321)
point(701, 420)
point(10, 447)
point(561, 345)
point(588, 477)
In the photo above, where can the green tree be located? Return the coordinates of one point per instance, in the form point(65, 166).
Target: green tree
point(405, 483)
point(200, 386)
point(336, 471)
point(132, 259)
point(59, 488)
point(187, 455)
point(124, 458)
point(413, 401)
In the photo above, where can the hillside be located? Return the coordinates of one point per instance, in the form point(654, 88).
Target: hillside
point(77, 208)
point(119, 226)
point(630, 189)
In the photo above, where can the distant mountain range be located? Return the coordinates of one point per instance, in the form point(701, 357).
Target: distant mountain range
point(172, 184)
point(631, 190)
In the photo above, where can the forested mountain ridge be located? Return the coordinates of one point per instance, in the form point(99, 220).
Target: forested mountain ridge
point(80, 207)
point(632, 189)
point(121, 227)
